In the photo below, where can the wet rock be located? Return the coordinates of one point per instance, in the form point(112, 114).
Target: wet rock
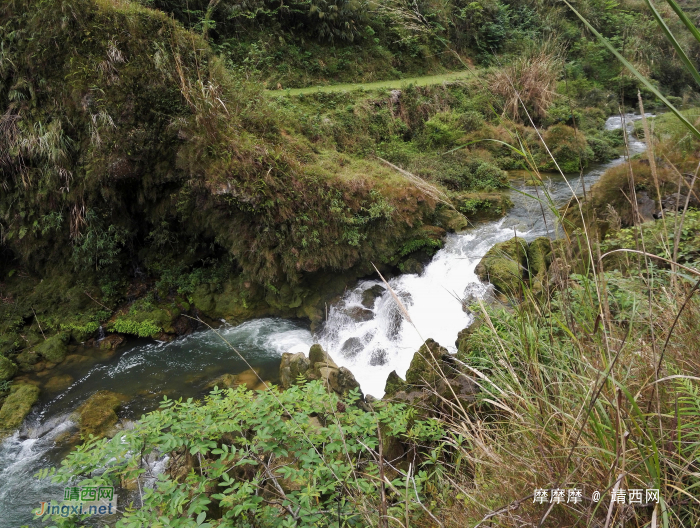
point(54, 348)
point(98, 415)
point(17, 405)
point(370, 295)
point(352, 347)
point(111, 342)
point(7, 369)
point(318, 355)
point(58, 383)
point(225, 381)
point(412, 266)
point(319, 366)
point(378, 357)
point(291, 367)
point(359, 314)
point(249, 378)
point(504, 266)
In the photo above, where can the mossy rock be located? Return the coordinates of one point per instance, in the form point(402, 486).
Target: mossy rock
point(27, 361)
point(318, 355)
point(426, 365)
point(291, 367)
point(394, 384)
point(54, 349)
point(98, 416)
point(7, 369)
point(370, 295)
point(58, 383)
point(452, 220)
point(539, 257)
point(17, 405)
point(505, 265)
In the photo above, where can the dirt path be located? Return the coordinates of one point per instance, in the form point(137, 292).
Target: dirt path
point(380, 85)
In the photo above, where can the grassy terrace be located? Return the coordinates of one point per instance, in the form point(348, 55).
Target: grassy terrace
point(425, 80)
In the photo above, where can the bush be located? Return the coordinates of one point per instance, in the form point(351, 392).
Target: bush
point(279, 459)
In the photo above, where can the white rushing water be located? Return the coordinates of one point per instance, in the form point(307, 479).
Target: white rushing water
point(371, 340)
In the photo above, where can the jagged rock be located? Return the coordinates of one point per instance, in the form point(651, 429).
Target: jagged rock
point(426, 365)
point(98, 416)
point(54, 348)
point(676, 201)
point(505, 265)
point(291, 367)
point(319, 366)
point(434, 382)
point(7, 369)
point(370, 295)
point(17, 405)
point(394, 384)
point(318, 355)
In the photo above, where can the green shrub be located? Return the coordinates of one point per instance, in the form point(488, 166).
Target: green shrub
point(311, 450)
point(147, 328)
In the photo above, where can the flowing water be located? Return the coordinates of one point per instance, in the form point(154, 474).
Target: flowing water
point(371, 339)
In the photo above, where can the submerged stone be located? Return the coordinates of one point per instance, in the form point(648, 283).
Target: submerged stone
point(98, 416)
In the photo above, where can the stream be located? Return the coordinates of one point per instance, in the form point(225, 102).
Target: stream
point(371, 339)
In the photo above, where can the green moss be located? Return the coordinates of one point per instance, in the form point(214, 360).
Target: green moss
point(394, 384)
point(54, 349)
point(505, 265)
point(7, 369)
point(17, 405)
point(426, 365)
point(98, 414)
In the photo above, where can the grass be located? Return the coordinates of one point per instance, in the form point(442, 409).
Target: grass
point(426, 80)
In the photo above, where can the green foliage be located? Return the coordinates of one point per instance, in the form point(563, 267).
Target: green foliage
point(312, 460)
point(124, 325)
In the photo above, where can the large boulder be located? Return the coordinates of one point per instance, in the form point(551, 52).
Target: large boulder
point(98, 415)
point(426, 365)
point(505, 266)
point(435, 383)
point(318, 366)
point(7, 369)
point(54, 348)
point(17, 405)
point(291, 367)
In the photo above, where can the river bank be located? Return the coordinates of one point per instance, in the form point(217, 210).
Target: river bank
point(363, 332)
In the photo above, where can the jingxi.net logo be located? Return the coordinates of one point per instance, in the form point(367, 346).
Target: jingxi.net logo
point(85, 500)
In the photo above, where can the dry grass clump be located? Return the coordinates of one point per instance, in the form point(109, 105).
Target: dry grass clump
point(529, 81)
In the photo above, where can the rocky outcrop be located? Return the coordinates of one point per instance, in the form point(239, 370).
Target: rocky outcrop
point(318, 366)
point(16, 406)
point(250, 379)
point(513, 264)
point(434, 383)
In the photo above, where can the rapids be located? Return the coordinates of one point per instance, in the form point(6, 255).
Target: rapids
point(370, 340)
